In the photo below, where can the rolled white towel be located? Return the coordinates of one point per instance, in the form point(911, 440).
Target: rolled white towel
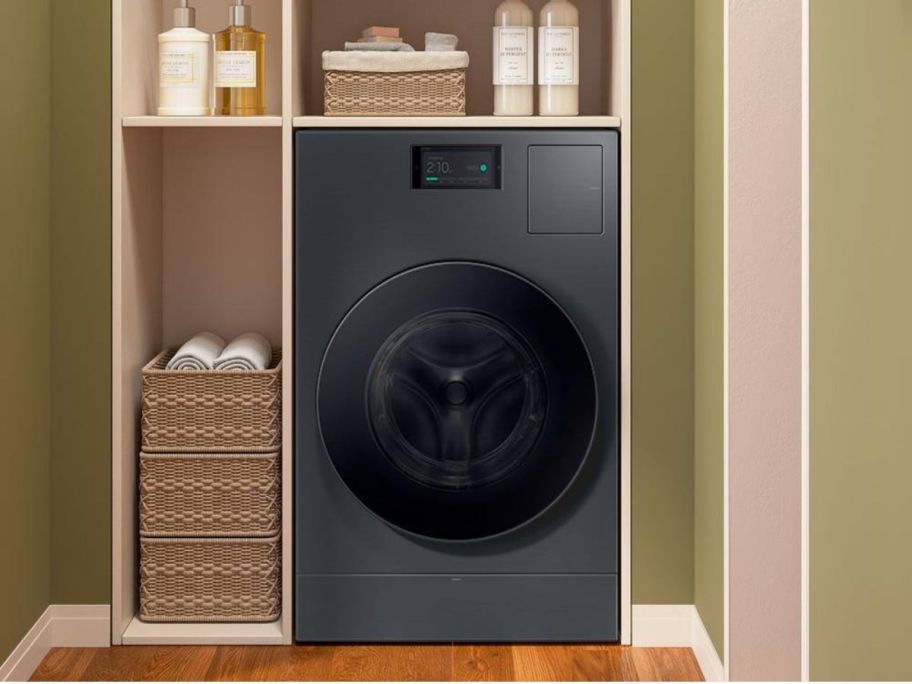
point(198, 353)
point(248, 352)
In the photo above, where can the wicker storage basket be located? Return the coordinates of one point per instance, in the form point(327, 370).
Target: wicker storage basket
point(210, 580)
point(203, 495)
point(368, 83)
point(415, 93)
point(211, 411)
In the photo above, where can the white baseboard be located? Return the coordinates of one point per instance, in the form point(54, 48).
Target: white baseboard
point(677, 626)
point(69, 626)
point(20, 664)
point(705, 651)
point(662, 626)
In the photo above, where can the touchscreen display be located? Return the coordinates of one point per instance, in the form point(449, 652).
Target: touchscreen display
point(456, 167)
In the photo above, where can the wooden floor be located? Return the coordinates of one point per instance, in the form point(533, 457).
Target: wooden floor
point(370, 663)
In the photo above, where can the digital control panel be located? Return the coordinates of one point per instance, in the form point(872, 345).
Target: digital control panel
point(456, 167)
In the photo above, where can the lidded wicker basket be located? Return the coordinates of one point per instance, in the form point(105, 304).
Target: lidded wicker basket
point(211, 411)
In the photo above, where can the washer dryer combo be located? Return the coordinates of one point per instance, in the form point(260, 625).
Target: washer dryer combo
point(457, 386)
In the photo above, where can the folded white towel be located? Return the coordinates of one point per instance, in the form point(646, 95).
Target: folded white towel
point(250, 351)
point(378, 47)
point(393, 62)
point(198, 353)
point(440, 42)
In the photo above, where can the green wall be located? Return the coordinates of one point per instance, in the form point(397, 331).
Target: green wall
point(81, 301)
point(663, 534)
point(709, 317)
point(861, 339)
point(57, 170)
point(55, 308)
point(25, 316)
point(663, 301)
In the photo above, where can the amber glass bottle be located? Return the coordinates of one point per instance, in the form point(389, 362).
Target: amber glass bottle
point(240, 66)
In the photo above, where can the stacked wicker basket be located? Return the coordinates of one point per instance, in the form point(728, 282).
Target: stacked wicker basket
point(210, 494)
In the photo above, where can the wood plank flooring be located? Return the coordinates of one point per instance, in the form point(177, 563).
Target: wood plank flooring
point(369, 663)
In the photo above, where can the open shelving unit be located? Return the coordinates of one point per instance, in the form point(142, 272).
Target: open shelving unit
point(202, 221)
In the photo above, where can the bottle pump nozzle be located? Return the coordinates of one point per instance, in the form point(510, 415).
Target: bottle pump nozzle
point(239, 14)
point(184, 15)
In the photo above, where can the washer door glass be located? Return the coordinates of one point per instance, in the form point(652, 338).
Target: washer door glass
point(457, 401)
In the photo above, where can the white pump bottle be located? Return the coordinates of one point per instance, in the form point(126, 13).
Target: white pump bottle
point(184, 55)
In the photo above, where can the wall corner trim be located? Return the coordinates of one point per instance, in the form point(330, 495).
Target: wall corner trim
point(705, 651)
point(677, 626)
point(60, 626)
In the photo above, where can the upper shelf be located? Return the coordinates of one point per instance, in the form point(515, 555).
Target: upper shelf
point(457, 122)
point(202, 122)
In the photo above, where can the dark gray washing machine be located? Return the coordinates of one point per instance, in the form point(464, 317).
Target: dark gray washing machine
point(457, 386)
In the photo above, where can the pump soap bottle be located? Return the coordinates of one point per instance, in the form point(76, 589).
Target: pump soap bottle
point(558, 61)
point(514, 59)
point(240, 65)
point(183, 67)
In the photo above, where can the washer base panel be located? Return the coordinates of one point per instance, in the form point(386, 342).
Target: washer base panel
point(454, 608)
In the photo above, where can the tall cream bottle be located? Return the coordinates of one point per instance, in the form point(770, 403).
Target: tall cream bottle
point(514, 59)
point(558, 59)
point(183, 66)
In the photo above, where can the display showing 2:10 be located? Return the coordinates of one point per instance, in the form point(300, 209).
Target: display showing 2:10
point(438, 167)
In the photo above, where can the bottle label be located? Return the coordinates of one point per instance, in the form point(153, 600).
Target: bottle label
point(236, 69)
point(558, 56)
point(177, 69)
point(514, 55)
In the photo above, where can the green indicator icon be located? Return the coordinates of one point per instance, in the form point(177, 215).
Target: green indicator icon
point(484, 168)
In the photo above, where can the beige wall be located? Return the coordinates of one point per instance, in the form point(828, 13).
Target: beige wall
point(24, 323)
point(861, 339)
point(662, 392)
point(764, 337)
point(81, 298)
point(709, 317)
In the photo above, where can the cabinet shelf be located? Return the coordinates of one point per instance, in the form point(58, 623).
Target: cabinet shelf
point(140, 633)
point(457, 122)
point(202, 122)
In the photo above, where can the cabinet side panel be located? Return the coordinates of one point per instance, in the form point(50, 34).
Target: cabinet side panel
point(137, 337)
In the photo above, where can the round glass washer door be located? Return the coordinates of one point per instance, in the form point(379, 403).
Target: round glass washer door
point(457, 401)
